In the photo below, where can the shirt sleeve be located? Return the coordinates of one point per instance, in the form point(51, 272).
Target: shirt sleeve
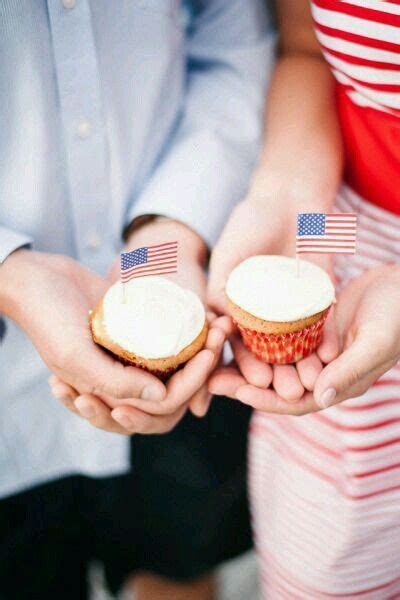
point(10, 240)
point(207, 163)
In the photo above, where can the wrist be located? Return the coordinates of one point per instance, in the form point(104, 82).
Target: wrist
point(299, 190)
point(11, 282)
point(146, 231)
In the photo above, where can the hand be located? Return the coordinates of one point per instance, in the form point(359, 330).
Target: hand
point(264, 224)
point(188, 386)
point(50, 296)
point(368, 327)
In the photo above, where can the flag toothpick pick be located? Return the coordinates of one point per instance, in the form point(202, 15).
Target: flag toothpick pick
point(326, 233)
point(159, 259)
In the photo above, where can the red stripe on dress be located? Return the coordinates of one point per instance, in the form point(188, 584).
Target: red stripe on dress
point(338, 426)
point(393, 88)
point(358, 39)
point(376, 471)
point(362, 62)
point(371, 405)
point(360, 12)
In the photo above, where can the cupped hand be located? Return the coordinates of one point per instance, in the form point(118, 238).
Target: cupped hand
point(187, 387)
point(265, 225)
point(50, 297)
point(367, 322)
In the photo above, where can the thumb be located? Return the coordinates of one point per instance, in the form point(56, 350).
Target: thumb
point(352, 373)
point(95, 372)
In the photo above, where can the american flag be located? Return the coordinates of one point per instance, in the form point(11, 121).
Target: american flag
point(149, 260)
point(331, 232)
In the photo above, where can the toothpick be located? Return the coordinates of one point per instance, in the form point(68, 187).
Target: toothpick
point(123, 295)
point(297, 266)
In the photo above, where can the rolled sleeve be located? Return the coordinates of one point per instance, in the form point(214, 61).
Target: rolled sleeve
point(11, 240)
point(206, 167)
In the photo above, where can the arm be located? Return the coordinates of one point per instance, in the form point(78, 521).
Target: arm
point(299, 170)
point(301, 163)
point(209, 158)
point(302, 154)
point(10, 241)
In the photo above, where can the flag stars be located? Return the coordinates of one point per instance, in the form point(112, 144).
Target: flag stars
point(310, 224)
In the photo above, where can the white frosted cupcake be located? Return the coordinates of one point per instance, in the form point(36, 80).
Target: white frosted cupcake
point(280, 315)
point(155, 324)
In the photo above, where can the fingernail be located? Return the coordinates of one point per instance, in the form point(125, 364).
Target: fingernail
point(327, 398)
point(124, 420)
point(151, 392)
point(84, 409)
point(66, 401)
point(59, 392)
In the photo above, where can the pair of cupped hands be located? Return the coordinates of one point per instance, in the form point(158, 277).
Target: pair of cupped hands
point(361, 339)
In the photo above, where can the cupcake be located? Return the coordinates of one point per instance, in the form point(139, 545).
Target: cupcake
point(279, 313)
point(152, 323)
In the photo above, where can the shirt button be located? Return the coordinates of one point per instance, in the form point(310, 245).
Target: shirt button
point(94, 241)
point(69, 3)
point(84, 129)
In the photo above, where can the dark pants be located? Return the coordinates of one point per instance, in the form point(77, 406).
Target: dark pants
point(180, 512)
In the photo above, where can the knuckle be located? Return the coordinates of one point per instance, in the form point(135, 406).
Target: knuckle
point(353, 376)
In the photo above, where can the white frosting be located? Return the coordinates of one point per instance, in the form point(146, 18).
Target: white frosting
point(268, 288)
point(157, 320)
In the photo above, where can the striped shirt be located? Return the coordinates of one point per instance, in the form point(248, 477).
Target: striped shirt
point(360, 39)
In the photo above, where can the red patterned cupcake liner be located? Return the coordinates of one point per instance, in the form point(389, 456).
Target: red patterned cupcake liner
point(286, 347)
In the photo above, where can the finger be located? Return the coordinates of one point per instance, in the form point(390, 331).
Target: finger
point(181, 386)
point(353, 372)
point(200, 402)
point(328, 350)
point(98, 414)
point(211, 316)
point(95, 372)
point(225, 382)
point(286, 383)
point(308, 370)
point(269, 401)
point(186, 382)
point(254, 370)
point(224, 323)
point(65, 395)
point(63, 391)
point(136, 421)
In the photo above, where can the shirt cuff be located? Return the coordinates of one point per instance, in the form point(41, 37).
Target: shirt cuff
point(10, 240)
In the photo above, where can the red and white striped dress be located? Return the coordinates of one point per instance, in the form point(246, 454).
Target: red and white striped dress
point(325, 488)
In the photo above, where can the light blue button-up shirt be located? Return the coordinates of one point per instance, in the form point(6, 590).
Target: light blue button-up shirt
point(110, 110)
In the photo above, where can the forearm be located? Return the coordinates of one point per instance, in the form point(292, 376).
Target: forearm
point(10, 282)
point(302, 155)
point(211, 154)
